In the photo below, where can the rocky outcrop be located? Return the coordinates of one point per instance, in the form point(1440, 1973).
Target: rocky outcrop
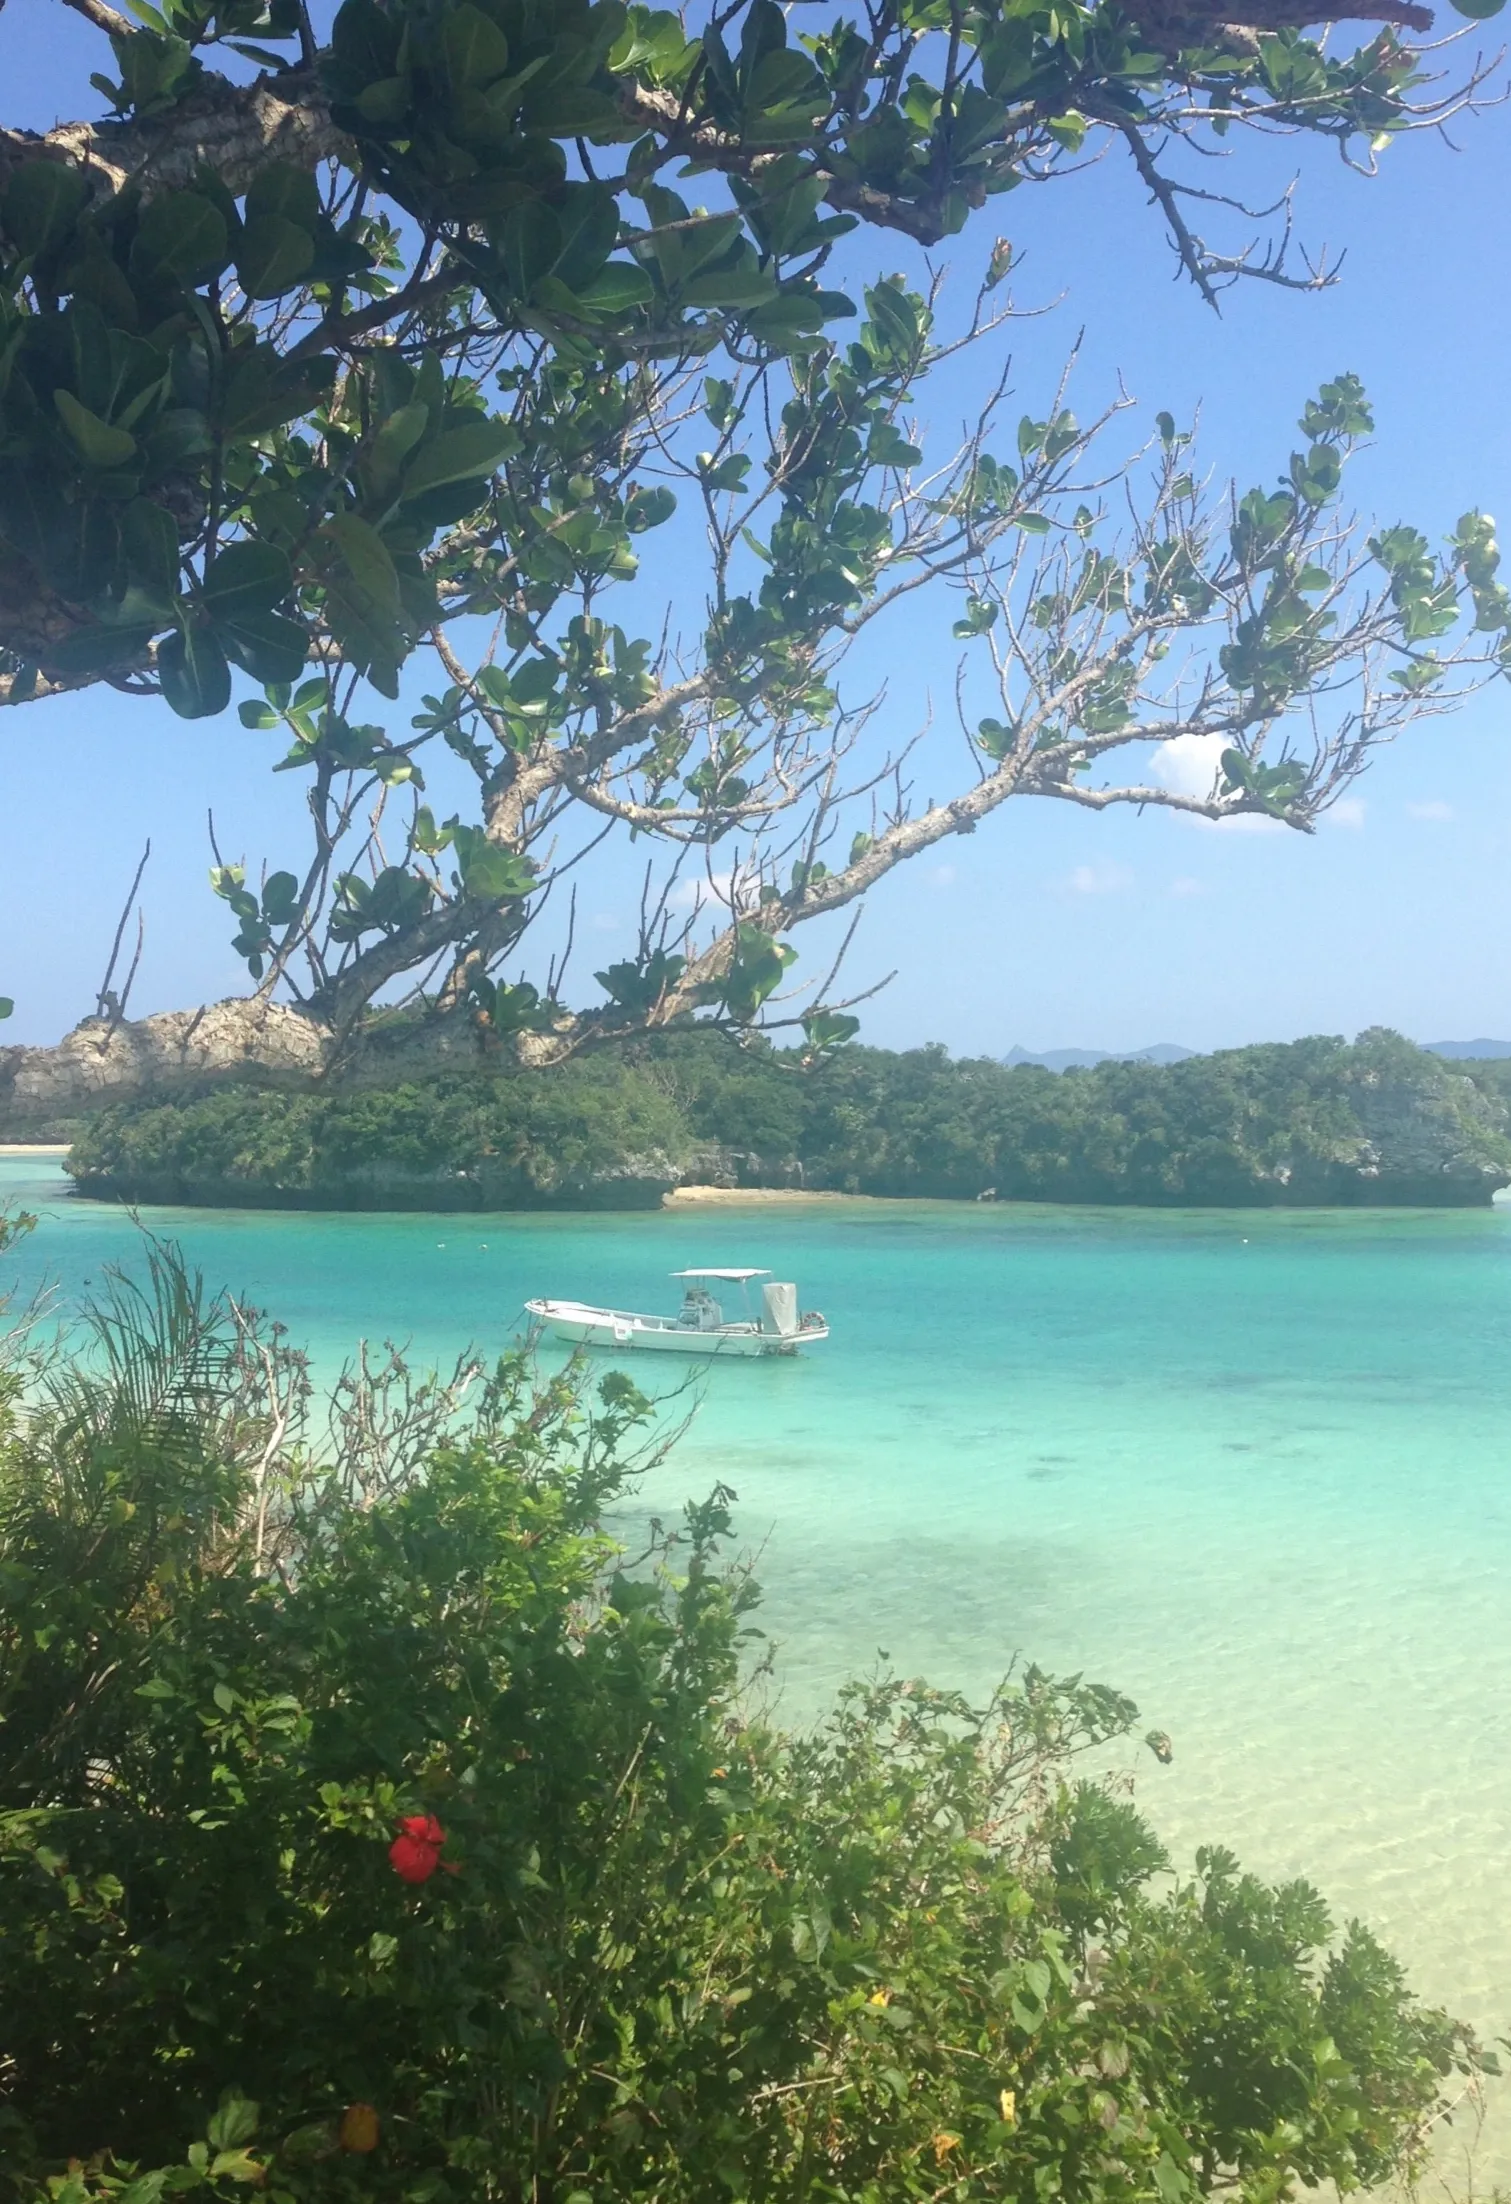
point(44, 1092)
point(1423, 1137)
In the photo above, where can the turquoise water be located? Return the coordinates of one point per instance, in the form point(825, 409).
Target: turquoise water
point(1251, 1468)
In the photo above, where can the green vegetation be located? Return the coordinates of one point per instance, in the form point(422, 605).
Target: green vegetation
point(1304, 1122)
point(399, 355)
point(585, 1133)
point(373, 1828)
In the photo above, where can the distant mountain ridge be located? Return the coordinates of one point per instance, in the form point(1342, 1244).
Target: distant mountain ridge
point(1170, 1052)
point(1085, 1059)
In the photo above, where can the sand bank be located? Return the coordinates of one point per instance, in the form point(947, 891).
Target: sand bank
point(33, 1147)
point(682, 1195)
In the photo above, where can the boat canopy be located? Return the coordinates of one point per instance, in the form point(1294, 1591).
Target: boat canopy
point(736, 1277)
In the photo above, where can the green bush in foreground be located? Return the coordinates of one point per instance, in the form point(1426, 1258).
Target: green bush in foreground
point(375, 1828)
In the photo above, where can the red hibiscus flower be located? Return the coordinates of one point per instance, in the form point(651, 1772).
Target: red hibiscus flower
point(415, 1853)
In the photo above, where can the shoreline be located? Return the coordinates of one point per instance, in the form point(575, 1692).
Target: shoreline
point(684, 1198)
point(679, 1197)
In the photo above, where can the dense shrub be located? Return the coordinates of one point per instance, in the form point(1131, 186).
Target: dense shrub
point(353, 1783)
point(1316, 1120)
point(456, 1141)
point(1306, 1121)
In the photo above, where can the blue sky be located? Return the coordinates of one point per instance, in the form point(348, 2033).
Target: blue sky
point(1049, 927)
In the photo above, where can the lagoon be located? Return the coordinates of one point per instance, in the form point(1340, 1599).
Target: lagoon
point(1250, 1466)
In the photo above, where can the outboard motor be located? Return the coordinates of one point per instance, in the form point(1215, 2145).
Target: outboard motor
point(780, 1315)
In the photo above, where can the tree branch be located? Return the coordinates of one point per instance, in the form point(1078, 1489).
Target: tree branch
point(239, 130)
point(102, 17)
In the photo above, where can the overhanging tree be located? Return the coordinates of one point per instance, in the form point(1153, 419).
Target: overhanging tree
point(318, 356)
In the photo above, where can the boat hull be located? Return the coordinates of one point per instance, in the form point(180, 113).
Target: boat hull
point(624, 1332)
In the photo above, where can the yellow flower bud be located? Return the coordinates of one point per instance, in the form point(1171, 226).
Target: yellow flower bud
point(359, 2129)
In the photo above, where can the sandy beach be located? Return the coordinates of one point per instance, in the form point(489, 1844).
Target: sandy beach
point(33, 1147)
point(682, 1196)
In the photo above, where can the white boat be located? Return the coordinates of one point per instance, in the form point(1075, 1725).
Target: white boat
point(698, 1328)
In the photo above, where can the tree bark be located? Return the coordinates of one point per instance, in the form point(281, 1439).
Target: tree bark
point(235, 129)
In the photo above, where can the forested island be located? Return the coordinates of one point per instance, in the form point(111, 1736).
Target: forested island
point(1319, 1121)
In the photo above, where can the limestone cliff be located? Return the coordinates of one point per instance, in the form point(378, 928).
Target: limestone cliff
point(45, 1093)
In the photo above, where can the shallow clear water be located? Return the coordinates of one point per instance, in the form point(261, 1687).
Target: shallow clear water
point(1250, 1467)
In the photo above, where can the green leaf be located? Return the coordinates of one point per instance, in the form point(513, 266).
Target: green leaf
point(617, 289)
point(755, 969)
point(269, 647)
point(96, 442)
point(368, 558)
point(149, 538)
point(42, 202)
point(238, 2165)
point(274, 255)
point(239, 590)
point(492, 874)
point(830, 1029)
point(286, 193)
point(181, 236)
point(234, 2120)
point(147, 2188)
point(1172, 2184)
point(393, 442)
point(245, 577)
point(645, 509)
point(980, 618)
point(7, 1006)
point(192, 668)
point(456, 455)
point(475, 49)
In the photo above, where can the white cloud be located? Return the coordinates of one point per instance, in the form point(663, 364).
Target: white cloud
point(718, 893)
point(1099, 879)
point(692, 893)
point(1435, 809)
point(1187, 885)
point(943, 876)
point(1188, 766)
point(1348, 812)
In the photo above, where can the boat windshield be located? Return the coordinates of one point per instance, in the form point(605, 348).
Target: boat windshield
point(700, 1311)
